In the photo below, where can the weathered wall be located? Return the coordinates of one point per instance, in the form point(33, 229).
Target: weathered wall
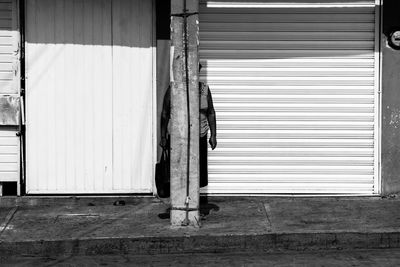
point(163, 10)
point(9, 110)
point(390, 101)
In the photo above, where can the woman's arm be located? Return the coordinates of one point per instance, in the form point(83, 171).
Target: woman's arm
point(165, 115)
point(212, 121)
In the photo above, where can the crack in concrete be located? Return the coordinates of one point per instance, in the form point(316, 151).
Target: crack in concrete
point(267, 209)
point(8, 219)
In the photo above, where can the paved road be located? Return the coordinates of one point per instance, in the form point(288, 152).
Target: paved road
point(386, 257)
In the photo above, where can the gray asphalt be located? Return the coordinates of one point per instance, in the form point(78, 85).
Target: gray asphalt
point(384, 257)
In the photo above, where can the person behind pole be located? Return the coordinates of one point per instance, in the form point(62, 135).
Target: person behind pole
point(207, 122)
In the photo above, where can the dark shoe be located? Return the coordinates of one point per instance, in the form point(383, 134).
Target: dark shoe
point(165, 215)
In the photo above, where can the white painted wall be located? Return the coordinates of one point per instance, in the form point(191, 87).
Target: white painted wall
point(89, 96)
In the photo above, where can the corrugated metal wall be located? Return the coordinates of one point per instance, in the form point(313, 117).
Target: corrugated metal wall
point(9, 89)
point(132, 95)
point(89, 96)
point(295, 90)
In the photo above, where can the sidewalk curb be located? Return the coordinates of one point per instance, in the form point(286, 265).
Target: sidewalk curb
point(203, 244)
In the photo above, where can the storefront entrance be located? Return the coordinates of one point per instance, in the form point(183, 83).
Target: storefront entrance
point(89, 96)
point(295, 87)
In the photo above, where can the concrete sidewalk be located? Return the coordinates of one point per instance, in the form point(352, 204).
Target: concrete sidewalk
point(93, 226)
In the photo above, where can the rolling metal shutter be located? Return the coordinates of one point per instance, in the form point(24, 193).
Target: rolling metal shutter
point(295, 91)
point(9, 155)
point(9, 47)
point(9, 92)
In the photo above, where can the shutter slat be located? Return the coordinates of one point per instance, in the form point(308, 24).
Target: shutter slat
point(284, 36)
point(287, 27)
point(285, 45)
point(285, 134)
point(304, 17)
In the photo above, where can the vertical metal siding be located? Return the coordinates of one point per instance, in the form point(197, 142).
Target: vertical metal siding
point(132, 95)
point(75, 86)
point(69, 84)
point(294, 90)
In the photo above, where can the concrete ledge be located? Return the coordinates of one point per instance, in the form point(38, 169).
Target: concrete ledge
point(82, 200)
point(35, 201)
point(203, 244)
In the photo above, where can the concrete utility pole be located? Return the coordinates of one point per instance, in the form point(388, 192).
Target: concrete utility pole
point(184, 195)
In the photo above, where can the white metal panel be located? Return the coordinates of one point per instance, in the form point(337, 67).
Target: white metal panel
point(295, 91)
point(89, 96)
point(69, 87)
point(132, 95)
